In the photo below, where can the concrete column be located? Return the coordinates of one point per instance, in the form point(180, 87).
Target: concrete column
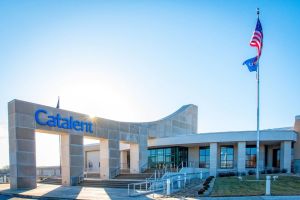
point(139, 152)
point(193, 155)
point(285, 155)
point(22, 157)
point(123, 160)
point(65, 159)
point(262, 150)
point(134, 158)
point(241, 158)
point(72, 159)
point(109, 157)
point(213, 159)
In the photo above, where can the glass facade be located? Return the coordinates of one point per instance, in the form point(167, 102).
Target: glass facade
point(204, 157)
point(227, 157)
point(250, 156)
point(171, 157)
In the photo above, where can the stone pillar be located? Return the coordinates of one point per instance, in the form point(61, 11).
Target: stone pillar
point(109, 158)
point(213, 159)
point(193, 155)
point(285, 155)
point(65, 159)
point(123, 160)
point(22, 156)
point(72, 159)
point(241, 158)
point(262, 150)
point(134, 158)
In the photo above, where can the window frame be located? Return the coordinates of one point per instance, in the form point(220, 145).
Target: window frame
point(251, 147)
point(227, 160)
point(206, 157)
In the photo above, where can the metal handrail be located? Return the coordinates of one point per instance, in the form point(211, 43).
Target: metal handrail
point(178, 167)
point(115, 172)
point(177, 181)
point(144, 167)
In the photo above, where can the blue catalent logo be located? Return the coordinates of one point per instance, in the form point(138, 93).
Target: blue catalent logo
point(60, 122)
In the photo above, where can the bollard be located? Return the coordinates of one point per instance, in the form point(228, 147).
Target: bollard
point(168, 186)
point(268, 185)
point(201, 175)
point(178, 181)
point(4, 179)
point(184, 179)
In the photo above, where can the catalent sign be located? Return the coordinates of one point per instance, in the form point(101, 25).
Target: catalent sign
point(43, 118)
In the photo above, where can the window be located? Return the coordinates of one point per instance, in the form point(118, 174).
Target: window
point(170, 157)
point(226, 157)
point(204, 157)
point(250, 156)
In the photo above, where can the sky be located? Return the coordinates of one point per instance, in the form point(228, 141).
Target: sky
point(142, 60)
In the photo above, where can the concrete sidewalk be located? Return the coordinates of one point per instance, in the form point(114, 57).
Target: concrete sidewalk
point(77, 192)
point(74, 192)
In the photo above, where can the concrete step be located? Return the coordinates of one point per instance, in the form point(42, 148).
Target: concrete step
point(52, 181)
point(140, 176)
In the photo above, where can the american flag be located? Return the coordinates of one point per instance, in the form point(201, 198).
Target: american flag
point(257, 38)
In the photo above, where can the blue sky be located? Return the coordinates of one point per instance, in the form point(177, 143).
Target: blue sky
point(142, 60)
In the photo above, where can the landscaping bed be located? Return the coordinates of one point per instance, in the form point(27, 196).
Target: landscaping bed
point(232, 186)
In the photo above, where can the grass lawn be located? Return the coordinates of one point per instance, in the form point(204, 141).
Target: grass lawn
point(232, 186)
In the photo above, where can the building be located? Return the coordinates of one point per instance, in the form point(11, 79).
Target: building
point(170, 142)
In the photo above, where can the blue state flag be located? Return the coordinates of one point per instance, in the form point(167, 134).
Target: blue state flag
point(252, 64)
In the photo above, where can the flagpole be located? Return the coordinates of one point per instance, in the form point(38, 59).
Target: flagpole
point(257, 117)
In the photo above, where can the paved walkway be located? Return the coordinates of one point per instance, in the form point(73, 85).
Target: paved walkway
point(74, 192)
point(77, 192)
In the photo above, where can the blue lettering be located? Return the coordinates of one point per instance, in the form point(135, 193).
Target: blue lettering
point(77, 125)
point(37, 116)
point(52, 121)
point(58, 120)
point(65, 123)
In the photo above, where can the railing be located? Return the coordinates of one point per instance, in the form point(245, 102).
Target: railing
point(156, 175)
point(4, 178)
point(80, 178)
point(172, 181)
point(115, 172)
point(144, 167)
point(179, 166)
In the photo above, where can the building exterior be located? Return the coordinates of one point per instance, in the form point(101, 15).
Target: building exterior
point(170, 142)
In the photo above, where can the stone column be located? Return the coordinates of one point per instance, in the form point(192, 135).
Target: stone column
point(193, 155)
point(22, 156)
point(285, 155)
point(241, 160)
point(134, 158)
point(213, 159)
point(72, 159)
point(109, 158)
point(262, 150)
